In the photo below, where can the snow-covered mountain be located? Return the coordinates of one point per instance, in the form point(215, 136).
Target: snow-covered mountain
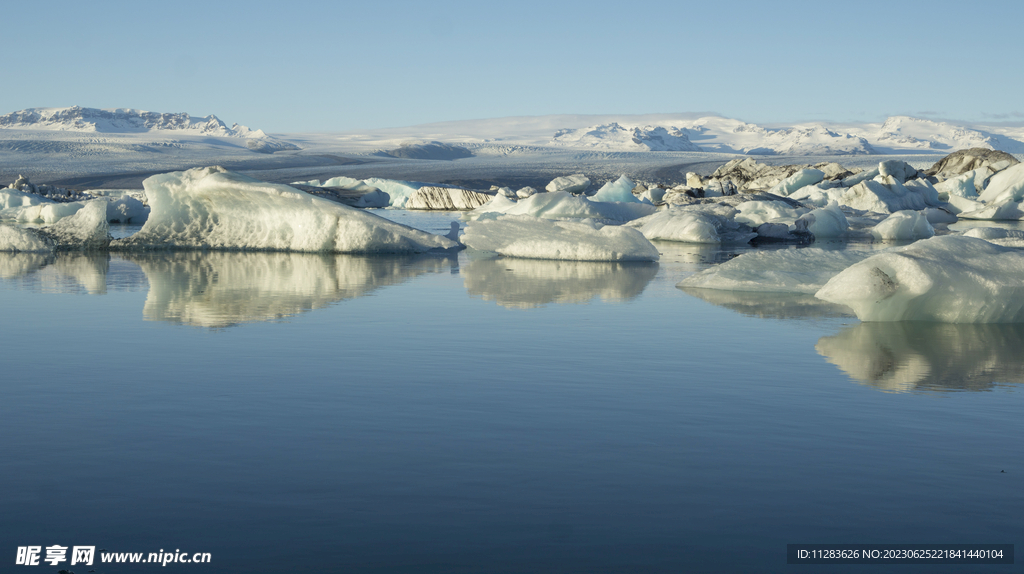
point(121, 120)
point(907, 132)
point(618, 138)
point(692, 132)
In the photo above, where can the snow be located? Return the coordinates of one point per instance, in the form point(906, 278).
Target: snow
point(620, 190)
point(800, 179)
point(1007, 184)
point(782, 271)
point(705, 223)
point(535, 238)
point(615, 137)
point(569, 183)
point(902, 226)
point(218, 209)
point(951, 279)
point(562, 205)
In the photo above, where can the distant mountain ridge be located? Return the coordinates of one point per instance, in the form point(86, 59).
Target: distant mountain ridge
point(720, 134)
point(122, 120)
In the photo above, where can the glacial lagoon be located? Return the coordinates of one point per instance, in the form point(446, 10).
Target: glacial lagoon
point(459, 413)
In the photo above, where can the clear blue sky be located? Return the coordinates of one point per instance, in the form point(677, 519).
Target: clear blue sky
point(314, 66)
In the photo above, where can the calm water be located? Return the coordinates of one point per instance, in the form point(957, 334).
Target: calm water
point(306, 413)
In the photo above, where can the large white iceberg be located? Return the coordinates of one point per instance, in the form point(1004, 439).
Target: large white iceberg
point(780, 271)
point(212, 208)
point(535, 238)
point(951, 279)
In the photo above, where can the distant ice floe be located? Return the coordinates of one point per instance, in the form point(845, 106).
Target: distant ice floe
point(562, 205)
point(213, 208)
point(951, 279)
point(700, 223)
point(776, 271)
point(535, 238)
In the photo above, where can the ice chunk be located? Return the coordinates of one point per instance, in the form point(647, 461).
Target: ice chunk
point(798, 180)
point(695, 224)
point(903, 225)
point(398, 191)
point(950, 279)
point(998, 235)
point(1007, 184)
point(446, 198)
point(886, 197)
point(47, 213)
point(939, 215)
point(218, 209)
point(828, 221)
point(87, 229)
point(861, 177)
point(20, 239)
point(619, 190)
point(957, 204)
point(376, 198)
point(570, 183)
point(901, 171)
point(783, 271)
point(525, 192)
point(535, 238)
point(1006, 209)
point(562, 205)
point(10, 197)
point(966, 185)
point(754, 213)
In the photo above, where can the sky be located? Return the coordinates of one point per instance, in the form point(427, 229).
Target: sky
point(345, 66)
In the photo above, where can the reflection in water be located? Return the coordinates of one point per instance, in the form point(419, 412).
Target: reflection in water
point(770, 305)
point(524, 283)
point(222, 289)
point(69, 272)
point(218, 289)
point(918, 356)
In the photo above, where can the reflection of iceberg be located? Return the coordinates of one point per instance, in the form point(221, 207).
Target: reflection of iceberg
point(70, 272)
point(769, 305)
point(908, 356)
point(220, 289)
point(534, 282)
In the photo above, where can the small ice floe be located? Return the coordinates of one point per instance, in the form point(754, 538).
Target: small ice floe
point(535, 238)
point(779, 271)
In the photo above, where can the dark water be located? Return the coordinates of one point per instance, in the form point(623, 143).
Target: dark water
point(306, 413)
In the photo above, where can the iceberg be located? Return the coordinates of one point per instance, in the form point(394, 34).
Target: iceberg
point(701, 223)
point(798, 180)
point(213, 208)
point(902, 226)
point(998, 235)
point(620, 190)
point(1006, 209)
point(569, 183)
point(828, 221)
point(949, 279)
point(535, 238)
point(1005, 185)
point(562, 205)
point(778, 271)
point(447, 198)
